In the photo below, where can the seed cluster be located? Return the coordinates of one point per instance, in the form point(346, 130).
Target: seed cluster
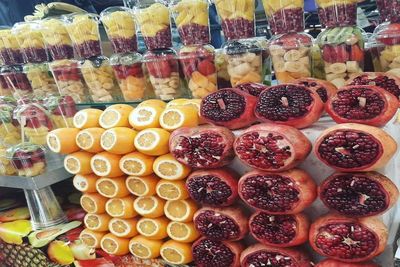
point(216, 226)
point(276, 229)
point(209, 189)
point(224, 105)
point(269, 258)
point(382, 81)
point(212, 253)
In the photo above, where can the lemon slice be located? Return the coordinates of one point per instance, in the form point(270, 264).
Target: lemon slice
point(93, 203)
point(182, 232)
point(149, 206)
point(91, 238)
point(180, 210)
point(115, 116)
point(78, 162)
point(167, 167)
point(115, 245)
point(125, 228)
point(153, 228)
point(112, 188)
point(87, 118)
point(172, 190)
point(144, 248)
point(144, 117)
point(118, 140)
point(137, 164)
point(152, 141)
point(97, 222)
point(142, 186)
point(176, 253)
point(179, 116)
point(153, 102)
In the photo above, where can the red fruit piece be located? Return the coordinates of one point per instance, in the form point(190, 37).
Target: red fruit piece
point(206, 67)
point(159, 69)
point(101, 262)
point(328, 54)
point(390, 35)
point(356, 53)
point(342, 55)
point(188, 65)
point(323, 88)
point(335, 263)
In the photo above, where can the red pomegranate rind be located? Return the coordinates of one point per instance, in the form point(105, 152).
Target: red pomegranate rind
point(216, 187)
point(202, 147)
point(348, 239)
point(358, 194)
point(323, 88)
point(254, 89)
point(335, 263)
point(289, 104)
point(366, 104)
point(287, 192)
point(214, 253)
point(271, 147)
point(352, 147)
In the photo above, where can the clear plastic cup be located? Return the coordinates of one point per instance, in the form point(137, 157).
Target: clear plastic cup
point(62, 110)
point(16, 80)
point(41, 79)
point(120, 27)
point(192, 21)
point(198, 66)
point(6, 167)
point(337, 13)
point(5, 90)
point(290, 55)
point(83, 29)
point(10, 131)
point(387, 51)
point(318, 66)
point(237, 18)
point(28, 159)
point(10, 52)
point(223, 79)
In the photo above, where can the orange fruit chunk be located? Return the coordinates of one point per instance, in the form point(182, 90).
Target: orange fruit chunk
point(87, 118)
point(121, 207)
point(179, 116)
point(146, 116)
point(142, 186)
point(180, 210)
point(182, 232)
point(91, 238)
point(85, 183)
point(97, 222)
point(175, 252)
point(78, 162)
point(112, 187)
point(89, 139)
point(115, 116)
point(172, 190)
point(62, 140)
point(93, 203)
point(106, 164)
point(144, 248)
point(114, 245)
point(167, 167)
point(149, 206)
point(125, 228)
point(152, 141)
point(137, 164)
point(118, 140)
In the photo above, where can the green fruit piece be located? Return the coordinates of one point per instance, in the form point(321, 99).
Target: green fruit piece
point(343, 34)
point(41, 238)
point(81, 251)
point(15, 214)
point(13, 232)
point(60, 253)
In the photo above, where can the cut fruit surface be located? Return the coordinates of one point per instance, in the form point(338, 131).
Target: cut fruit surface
point(78, 163)
point(167, 167)
point(137, 164)
point(106, 164)
point(179, 116)
point(153, 228)
point(91, 238)
point(125, 228)
point(97, 222)
point(150, 206)
point(182, 232)
point(146, 116)
point(112, 188)
point(87, 118)
point(85, 183)
point(89, 139)
point(115, 116)
point(176, 253)
point(152, 141)
point(62, 140)
point(172, 190)
point(180, 210)
point(121, 207)
point(93, 203)
point(114, 245)
point(142, 186)
point(144, 248)
point(118, 140)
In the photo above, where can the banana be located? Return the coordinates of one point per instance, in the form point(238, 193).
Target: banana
point(305, 61)
point(294, 66)
point(276, 50)
point(338, 68)
point(304, 51)
point(394, 65)
point(292, 55)
point(396, 59)
point(352, 66)
point(338, 82)
point(331, 77)
point(278, 64)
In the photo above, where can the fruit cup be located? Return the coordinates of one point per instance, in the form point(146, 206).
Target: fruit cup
point(28, 159)
point(62, 110)
point(41, 79)
point(388, 46)
point(99, 78)
point(290, 55)
point(16, 80)
point(237, 18)
point(9, 128)
point(4, 89)
point(10, 52)
point(156, 29)
point(191, 19)
point(197, 63)
point(335, 13)
point(221, 64)
point(6, 167)
point(120, 26)
point(83, 29)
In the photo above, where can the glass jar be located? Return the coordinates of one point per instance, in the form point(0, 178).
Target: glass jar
point(10, 51)
point(62, 110)
point(335, 13)
point(15, 79)
point(120, 27)
point(28, 159)
point(192, 21)
point(387, 49)
point(41, 79)
point(223, 79)
point(10, 133)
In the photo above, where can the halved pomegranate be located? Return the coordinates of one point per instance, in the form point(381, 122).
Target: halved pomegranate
point(354, 147)
point(279, 230)
point(261, 255)
point(217, 187)
point(289, 104)
point(214, 253)
point(348, 239)
point(335, 263)
point(254, 89)
point(286, 192)
point(272, 147)
point(227, 224)
point(323, 88)
point(202, 146)
point(366, 104)
point(232, 108)
point(358, 194)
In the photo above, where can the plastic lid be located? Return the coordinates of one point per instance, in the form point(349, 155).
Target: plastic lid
point(159, 55)
point(388, 33)
point(6, 113)
point(242, 46)
point(195, 51)
point(125, 59)
point(95, 62)
point(25, 151)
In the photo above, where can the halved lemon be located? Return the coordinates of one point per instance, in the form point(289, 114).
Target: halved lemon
point(93, 203)
point(115, 116)
point(62, 140)
point(167, 167)
point(144, 248)
point(182, 232)
point(149, 206)
point(106, 164)
point(172, 190)
point(121, 207)
point(153, 102)
point(180, 210)
point(118, 140)
point(152, 141)
point(142, 186)
point(125, 228)
point(89, 139)
point(78, 162)
point(87, 118)
point(180, 116)
point(175, 252)
point(146, 116)
point(112, 188)
point(91, 238)
point(85, 183)
point(97, 222)
point(153, 228)
point(137, 164)
point(114, 245)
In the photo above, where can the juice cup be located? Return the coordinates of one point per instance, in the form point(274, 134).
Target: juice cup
point(28, 159)
point(62, 110)
point(10, 52)
point(41, 79)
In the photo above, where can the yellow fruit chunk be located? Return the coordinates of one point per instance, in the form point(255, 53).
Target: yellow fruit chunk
point(153, 102)
point(149, 206)
point(153, 228)
point(97, 222)
point(121, 207)
point(114, 245)
point(115, 116)
point(89, 139)
point(137, 164)
point(146, 116)
point(62, 140)
point(91, 238)
point(172, 190)
point(125, 228)
point(152, 141)
point(106, 164)
point(60, 252)
point(118, 140)
point(167, 167)
point(78, 162)
point(180, 210)
point(179, 116)
point(13, 232)
point(182, 232)
point(85, 183)
point(87, 118)
point(93, 203)
point(175, 252)
point(144, 248)
point(112, 187)
point(142, 186)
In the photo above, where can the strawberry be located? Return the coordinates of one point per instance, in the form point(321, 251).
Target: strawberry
point(159, 69)
point(206, 67)
point(188, 66)
point(356, 54)
point(390, 35)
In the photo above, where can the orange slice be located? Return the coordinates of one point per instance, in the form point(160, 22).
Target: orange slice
point(153, 228)
point(87, 118)
point(172, 190)
point(112, 187)
point(97, 222)
point(152, 141)
point(187, 102)
point(114, 245)
point(115, 116)
point(150, 206)
point(125, 228)
point(182, 232)
point(137, 164)
point(175, 252)
point(153, 102)
point(78, 162)
point(91, 238)
point(89, 139)
point(142, 186)
point(106, 164)
point(85, 183)
point(118, 140)
point(167, 167)
point(180, 210)
point(180, 116)
point(146, 116)
point(144, 248)
point(62, 140)
point(121, 207)
point(93, 203)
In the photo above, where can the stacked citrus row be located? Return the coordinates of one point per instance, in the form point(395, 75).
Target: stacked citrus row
point(133, 189)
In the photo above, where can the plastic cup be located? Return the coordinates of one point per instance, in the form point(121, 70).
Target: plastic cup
point(223, 79)
point(388, 46)
point(10, 52)
point(41, 79)
point(28, 159)
point(6, 167)
point(62, 110)
point(16, 80)
point(9, 127)
point(120, 27)
point(335, 13)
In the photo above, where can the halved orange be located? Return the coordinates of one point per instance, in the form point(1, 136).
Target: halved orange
point(106, 164)
point(121, 207)
point(152, 141)
point(97, 222)
point(180, 210)
point(177, 102)
point(93, 203)
point(175, 252)
point(137, 164)
point(153, 228)
point(62, 140)
point(172, 190)
point(112, 187)
point(85, 183)
point(89, 139)
point(149, 206)
point(78, 162)
point(115, 116)
point(153, 102)
point(114, 245)
point(142, 186)
point(188, 102)
point(146, 116)
point(91, 238)
point(118, 140)
point(182, 232)
point(125, 228)
point(87, 118)
point(179, 116)
point(167, 167)
point(144, 248)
